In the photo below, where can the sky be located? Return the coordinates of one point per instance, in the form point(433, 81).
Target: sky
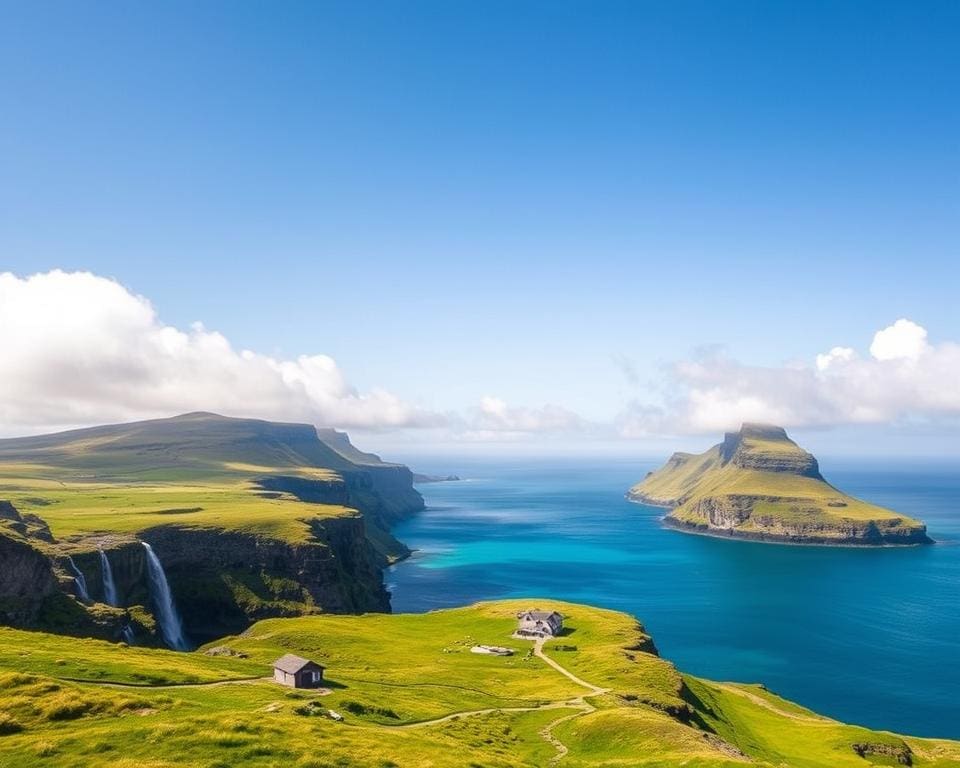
point(544, 224)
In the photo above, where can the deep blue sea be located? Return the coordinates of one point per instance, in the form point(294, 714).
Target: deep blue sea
point(869, 636)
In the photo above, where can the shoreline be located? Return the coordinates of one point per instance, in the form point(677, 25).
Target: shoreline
point(762, 538)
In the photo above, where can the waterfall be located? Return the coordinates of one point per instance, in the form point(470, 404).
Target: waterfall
point(109, 587)
point(170, 625)
point(80, 580)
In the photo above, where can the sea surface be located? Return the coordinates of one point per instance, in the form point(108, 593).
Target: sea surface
point(868, 636)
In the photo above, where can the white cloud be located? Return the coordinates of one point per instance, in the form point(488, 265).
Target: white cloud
point(902, 340)
point(837, 355)
point(495, 420)
point(79, 349)
point(904, 378)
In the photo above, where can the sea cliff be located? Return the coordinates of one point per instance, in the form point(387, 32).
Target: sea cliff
point(758, 484)
point(273, 522)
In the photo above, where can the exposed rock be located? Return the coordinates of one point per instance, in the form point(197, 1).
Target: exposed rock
point(419, 479)
point(900, 751)
point(223, 581)
point(758, 484)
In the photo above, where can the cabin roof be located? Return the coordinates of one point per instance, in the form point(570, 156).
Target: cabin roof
point(537, 615)
point(292, 664)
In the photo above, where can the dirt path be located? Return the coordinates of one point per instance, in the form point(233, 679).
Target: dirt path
point(546, 733)
point(580, 703)
point(488, 711)
point(762, 702)
point(594, 690)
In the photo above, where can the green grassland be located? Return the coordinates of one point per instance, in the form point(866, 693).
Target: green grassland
point(802, 493)
point(412, 694)
point(75, 509)
point(181, 448)
point(197, 470)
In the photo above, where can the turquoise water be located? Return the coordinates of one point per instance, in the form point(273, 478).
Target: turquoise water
point(869, 636)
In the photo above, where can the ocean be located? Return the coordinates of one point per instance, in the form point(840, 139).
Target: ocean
point(868, 636)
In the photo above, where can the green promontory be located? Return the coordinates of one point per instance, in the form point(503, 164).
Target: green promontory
point(250, 519)
point(759, 484)
point(409, 692)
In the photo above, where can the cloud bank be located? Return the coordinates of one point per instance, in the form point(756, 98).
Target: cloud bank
point(903, 378)
point(81, 349)
point(494, 420)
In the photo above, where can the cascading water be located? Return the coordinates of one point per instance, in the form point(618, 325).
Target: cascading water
point(80, 580)
point(170, 625)
point(109, 586)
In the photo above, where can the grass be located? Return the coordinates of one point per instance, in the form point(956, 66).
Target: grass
point(774, 497)
point(40, 653)
point(388, 673)
point(77, 509)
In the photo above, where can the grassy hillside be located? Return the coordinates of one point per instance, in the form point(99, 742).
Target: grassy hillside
point(194, 445)
point(760, 484)
point(411, 694)
point(305, 521)
point(199, 469)
point(74, 510)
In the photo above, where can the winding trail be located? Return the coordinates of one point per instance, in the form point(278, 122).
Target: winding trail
point(768, 705)
point(579, 703)
point(488, 711)
point(594, 690)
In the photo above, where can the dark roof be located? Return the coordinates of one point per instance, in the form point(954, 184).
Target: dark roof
point(540, 615)
point(292, 664)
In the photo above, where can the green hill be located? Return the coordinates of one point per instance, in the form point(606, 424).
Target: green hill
point(411, 693)
point(759, 484)
point(250, 519)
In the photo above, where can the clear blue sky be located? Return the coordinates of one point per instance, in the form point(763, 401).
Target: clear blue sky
point(456, 199)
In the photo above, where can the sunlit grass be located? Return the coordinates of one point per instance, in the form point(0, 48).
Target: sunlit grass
point(81, 508)
point(387, 672)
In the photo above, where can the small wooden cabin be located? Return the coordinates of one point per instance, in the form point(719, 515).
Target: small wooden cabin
point(297, 672)
point(535, 623)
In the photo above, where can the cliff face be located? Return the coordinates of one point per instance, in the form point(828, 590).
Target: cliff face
point(767, 449)
point(37, 591)
point(221, 581)
point(28, 578)
point(738, 516)
point(385, 496)
point(224, 572)
point(759, 484)
point(224, 581)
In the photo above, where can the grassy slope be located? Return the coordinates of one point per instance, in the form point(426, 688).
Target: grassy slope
point(193, 470)
point(386, 671)
point(74, 509)
point(195, 443)
point(690, 478)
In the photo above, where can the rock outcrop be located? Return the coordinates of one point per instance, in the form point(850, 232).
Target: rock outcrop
point(759, 484)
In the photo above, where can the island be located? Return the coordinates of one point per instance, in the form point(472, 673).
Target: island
point(419, 479)
point(759, 484)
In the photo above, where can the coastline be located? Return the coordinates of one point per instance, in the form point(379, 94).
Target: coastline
point(764, 538)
